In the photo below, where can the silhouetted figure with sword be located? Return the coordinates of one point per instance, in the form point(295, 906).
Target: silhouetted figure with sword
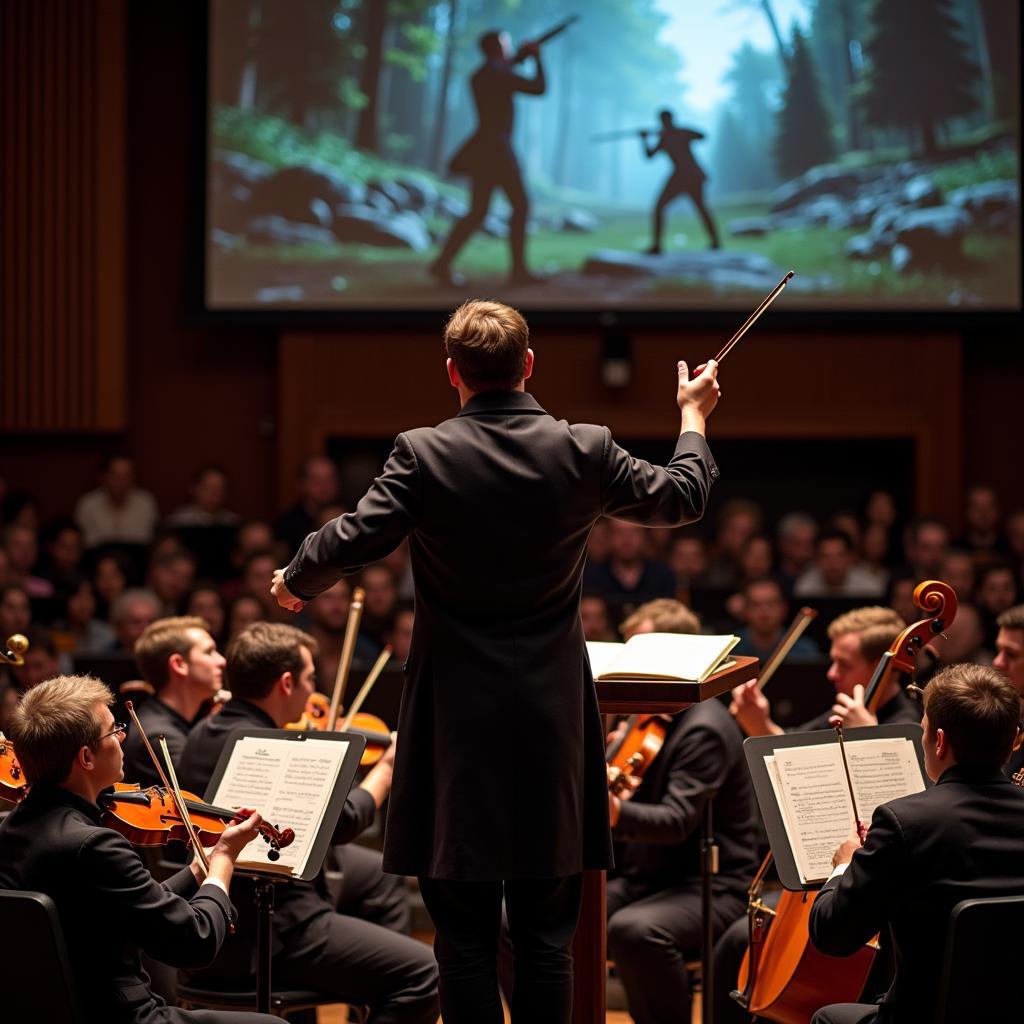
point(488, 158)
point(687, 175)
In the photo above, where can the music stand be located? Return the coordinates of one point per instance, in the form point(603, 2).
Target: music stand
point(264, 882)
point(756, 748)
point(626, 697)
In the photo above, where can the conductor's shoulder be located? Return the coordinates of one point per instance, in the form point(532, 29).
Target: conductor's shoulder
point(588, 435)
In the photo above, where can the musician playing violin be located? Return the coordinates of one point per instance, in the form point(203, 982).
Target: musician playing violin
point(924, 853)
point(109, 905)
point(179, 659)
point(350, 947)
point(858, 639)
point(654, 899)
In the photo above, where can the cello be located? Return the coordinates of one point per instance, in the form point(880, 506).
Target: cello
point(783, 977)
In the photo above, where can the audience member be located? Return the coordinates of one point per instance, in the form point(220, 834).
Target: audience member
point(688, 560)
point(20, 507)
point(901, 598)
point(1015, 540)
point(131, 613)
point(765, 612)
point(208, 507)
point(1009, 660)
point(110, 578)
point(244, 611)
point(381, 602)
point(170, 577)
point(629, 577)
point(982, 517)
point(205, 602)
point(22, 553)
point(78, 630)
point(599, 542)
point(738, 520)
point(925, 544)
point(41, 661)
point(964, 639)
point(117, 511)
point(597, 619)
point(959, 571)
point(834, 573)
point(327, 618)
point(318, 488)
point(400, 634)
point(876, 554)
point(794, 540)
point(995, 591)
point(15, 610)
point(62, 554)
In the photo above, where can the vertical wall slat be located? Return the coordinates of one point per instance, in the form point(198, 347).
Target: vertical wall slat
point(62, 197)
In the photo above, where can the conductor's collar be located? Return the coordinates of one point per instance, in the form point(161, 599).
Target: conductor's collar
point(490, 403)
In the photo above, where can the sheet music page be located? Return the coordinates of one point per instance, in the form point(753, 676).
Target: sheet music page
point(290, 783)
point(811, 789)
point(815, 805)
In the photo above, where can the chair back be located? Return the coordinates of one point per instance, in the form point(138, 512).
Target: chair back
point(980, 971)
point(36, 983)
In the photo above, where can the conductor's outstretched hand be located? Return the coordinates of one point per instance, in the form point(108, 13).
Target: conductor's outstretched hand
point(285, 598)
point(698, 397)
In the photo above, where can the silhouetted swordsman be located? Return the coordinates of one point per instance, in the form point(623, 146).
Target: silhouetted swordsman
point(488, 158)
point(687, 176)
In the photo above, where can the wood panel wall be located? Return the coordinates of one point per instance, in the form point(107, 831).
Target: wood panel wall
point(789, 387)
point(62, 206)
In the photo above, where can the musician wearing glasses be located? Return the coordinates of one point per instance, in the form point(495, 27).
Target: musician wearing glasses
point(111, 909)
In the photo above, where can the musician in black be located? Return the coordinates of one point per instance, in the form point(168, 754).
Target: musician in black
point(179, 659)
point(654, 899)
point(488, 157)
point(109, 905)
point(687, 178)
point(1010, 661)
point(924, 853)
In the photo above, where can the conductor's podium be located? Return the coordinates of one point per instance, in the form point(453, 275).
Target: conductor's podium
point(629, 697)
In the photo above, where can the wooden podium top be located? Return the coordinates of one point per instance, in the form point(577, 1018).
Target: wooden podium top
point(633, 696)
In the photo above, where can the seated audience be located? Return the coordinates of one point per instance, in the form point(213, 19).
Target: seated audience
point(244, 611)
point(1009, 660)
point(924, 853)
point(381, 601)
point(925, 544)
point(835, 572)
point(400, 634)
point(982, 518)
point(327, 618)
point(208, 507)
point(62, 554)
point(662, 615)
point(795, 537)
point(628, 577)
point(738, 521)
point(318, 488)
point(766, 614)
point(78, 630)
point(117, 511)
point(996, 591)
point(597, 619)
point(42, 660)
point(110, 577)
point(170, 577)
point(110, 907)
point(22, 550)
point(132, 612)
point(206, 602)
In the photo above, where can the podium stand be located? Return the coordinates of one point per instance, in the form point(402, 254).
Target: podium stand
point(628, 697)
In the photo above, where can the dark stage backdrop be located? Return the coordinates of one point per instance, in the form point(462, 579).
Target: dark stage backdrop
point(870, 145)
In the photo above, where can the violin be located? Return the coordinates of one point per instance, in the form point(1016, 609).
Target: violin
point(374, 729)
point(13, 786)
point(783, 977)
point(149, 817)
point(633, 752)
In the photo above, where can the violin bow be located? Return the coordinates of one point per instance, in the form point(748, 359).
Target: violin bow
point(364, 690)
point(172, 791)
point(803, 619)
point(355, 614)
point(179, 801)
point(837, 724)
point(755, 316)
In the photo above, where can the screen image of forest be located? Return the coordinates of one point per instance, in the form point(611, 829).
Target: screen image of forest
point(620, 155)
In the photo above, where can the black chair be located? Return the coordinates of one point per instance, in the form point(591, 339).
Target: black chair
point(980, 978)
point(297, 1005)
point(34, 935)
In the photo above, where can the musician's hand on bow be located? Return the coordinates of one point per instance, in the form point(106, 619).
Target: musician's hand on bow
point(852, 710)
point(697, 397)
point(846, 849)
point(285, 598)
point(752, 711)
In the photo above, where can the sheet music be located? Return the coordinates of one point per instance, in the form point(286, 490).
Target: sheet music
point(810, 787)
point(290, 783)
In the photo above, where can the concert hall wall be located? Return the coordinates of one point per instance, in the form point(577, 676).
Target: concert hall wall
point(258, 401)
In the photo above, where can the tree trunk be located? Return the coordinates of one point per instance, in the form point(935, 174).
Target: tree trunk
point(369, 75)
point(564, 124)
point(441, 114)
point(929, 146)
point(854, 138)
point(247, 83)
point(766, 6)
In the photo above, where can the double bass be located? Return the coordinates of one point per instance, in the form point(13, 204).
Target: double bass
point(783, 977)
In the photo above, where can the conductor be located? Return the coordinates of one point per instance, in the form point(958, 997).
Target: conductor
point(488, 158)
point(687, 178)
point(500, 785)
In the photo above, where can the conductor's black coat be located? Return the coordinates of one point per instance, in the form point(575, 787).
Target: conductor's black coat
point(500, 763)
